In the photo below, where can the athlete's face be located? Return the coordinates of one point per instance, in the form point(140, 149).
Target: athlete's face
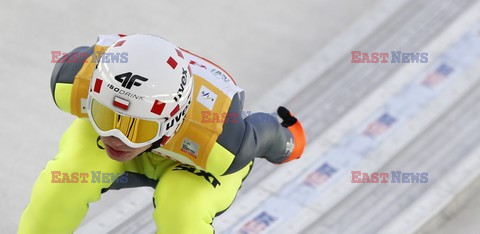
point(117, 150)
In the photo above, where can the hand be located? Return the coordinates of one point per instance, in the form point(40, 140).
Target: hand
point(288, 119)
point(296, 129)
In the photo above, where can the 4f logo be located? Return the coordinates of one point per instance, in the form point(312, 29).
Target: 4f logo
point(128, 80)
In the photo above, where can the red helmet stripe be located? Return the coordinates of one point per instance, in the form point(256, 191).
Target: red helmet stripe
point(172, 62)
point(98, 85)
point(157, 107)
point(119, 43)
point(189, 70)
point(164, 140)
point(177, 108)
point(179, 53)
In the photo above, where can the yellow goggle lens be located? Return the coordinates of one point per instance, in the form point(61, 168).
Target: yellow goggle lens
point(135, 129)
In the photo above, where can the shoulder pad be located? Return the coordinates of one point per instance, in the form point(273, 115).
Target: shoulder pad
point(64, 73)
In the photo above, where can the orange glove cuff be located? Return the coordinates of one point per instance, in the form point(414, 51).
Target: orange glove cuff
point(299, 141)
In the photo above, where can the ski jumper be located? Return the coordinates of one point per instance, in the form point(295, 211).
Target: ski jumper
point(196, 175)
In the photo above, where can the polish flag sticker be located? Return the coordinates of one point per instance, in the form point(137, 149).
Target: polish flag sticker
point(121, 103)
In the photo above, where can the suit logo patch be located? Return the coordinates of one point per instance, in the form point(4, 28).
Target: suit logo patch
point(206, 97)
point(190, 147)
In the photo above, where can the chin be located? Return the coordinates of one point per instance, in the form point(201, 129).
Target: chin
point(121, 159)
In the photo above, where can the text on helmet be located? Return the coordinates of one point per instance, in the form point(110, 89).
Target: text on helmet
point(182, 85)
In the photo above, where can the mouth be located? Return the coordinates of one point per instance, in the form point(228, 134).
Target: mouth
point(117, 154)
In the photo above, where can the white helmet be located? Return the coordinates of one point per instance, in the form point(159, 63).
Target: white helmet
point(144, 99)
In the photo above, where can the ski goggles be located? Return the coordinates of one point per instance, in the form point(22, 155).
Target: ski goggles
point(134, 132)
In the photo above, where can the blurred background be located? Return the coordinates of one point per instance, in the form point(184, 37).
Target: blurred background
point(369, 117)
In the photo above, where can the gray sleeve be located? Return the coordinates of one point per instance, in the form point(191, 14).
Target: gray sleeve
point(259, 135)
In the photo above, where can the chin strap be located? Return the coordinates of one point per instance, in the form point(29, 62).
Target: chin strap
point(158, 143)
point(98, 143)
point(155, 145)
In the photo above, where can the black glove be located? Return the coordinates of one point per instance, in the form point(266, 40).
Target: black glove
point(288, 119)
